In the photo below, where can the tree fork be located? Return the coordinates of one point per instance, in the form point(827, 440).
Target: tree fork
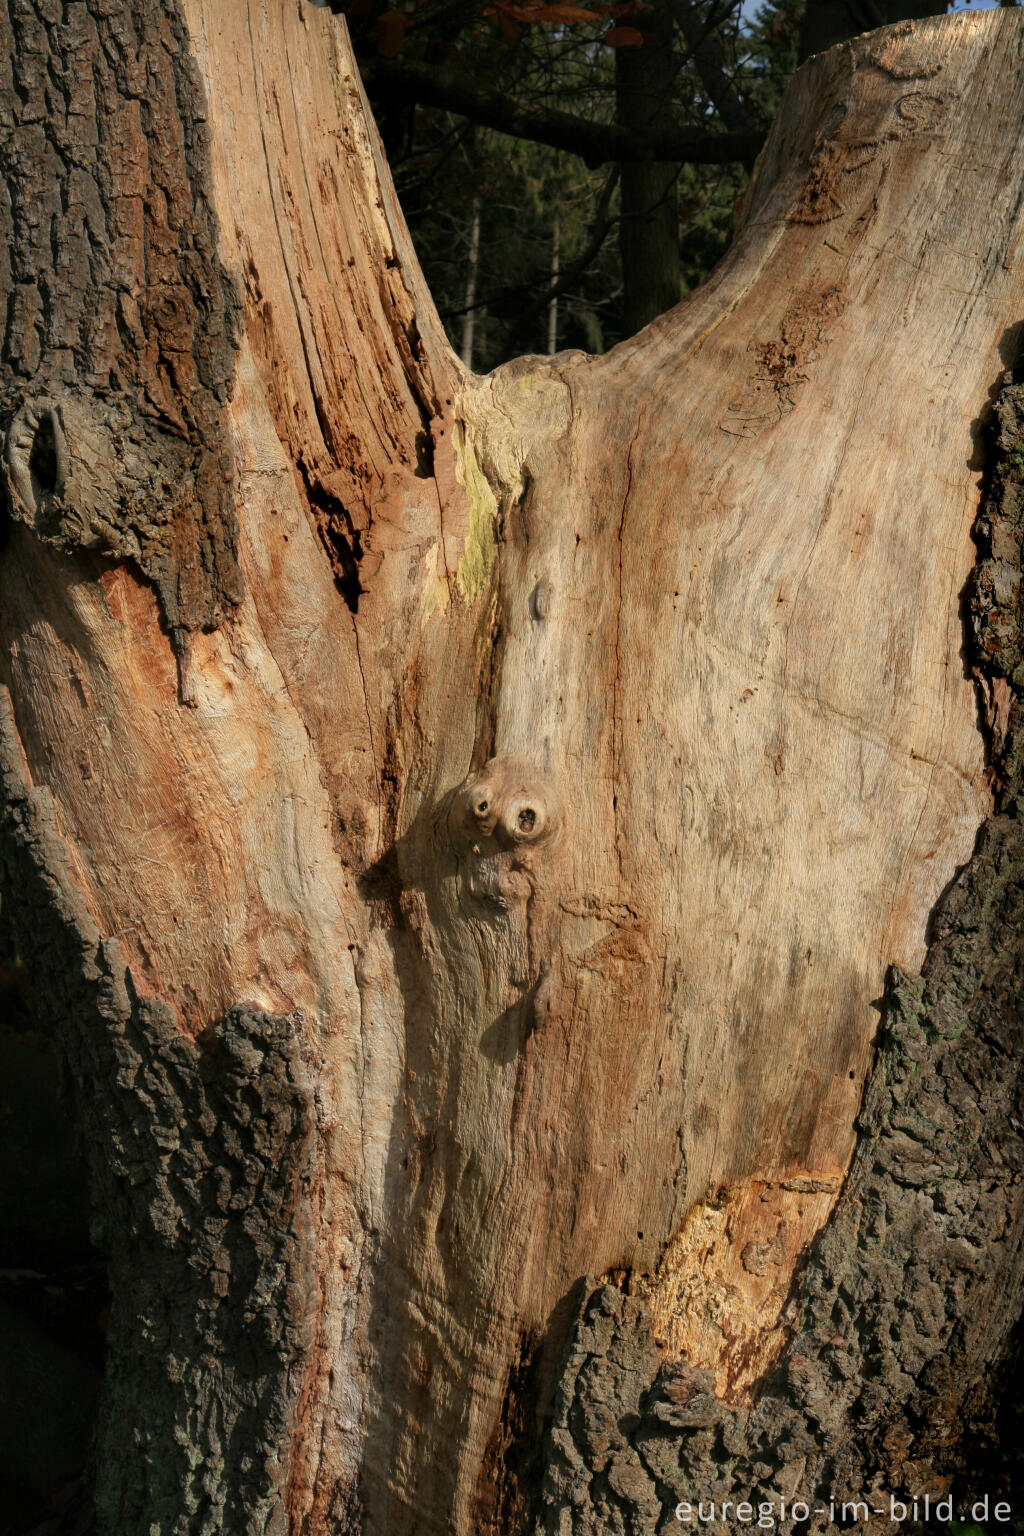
point(572, 755)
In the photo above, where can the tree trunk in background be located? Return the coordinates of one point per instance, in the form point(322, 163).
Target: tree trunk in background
point(468, 831)
point(649, 203)
point(827, 22)
point(553, 301)
point(469, 318)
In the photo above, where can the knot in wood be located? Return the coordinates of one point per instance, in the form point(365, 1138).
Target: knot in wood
point(90, 472)
point(36, 465)
point(81, 477)
point(509, 805)
point(503, 822)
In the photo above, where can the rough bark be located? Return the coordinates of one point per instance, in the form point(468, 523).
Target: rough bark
point(204, 1174)
point(573, 755)
point(119, 343)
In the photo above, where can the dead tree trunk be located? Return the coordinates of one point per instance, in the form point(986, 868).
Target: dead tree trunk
point(462, 827)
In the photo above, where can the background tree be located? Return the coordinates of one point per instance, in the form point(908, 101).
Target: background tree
point(676, 95)
point(827, 22)
point(604, 84)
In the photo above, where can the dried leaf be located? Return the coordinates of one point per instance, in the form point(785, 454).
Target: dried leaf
point(508, 28)
point(624, 37)
point(391, 29)
point(536, 11)
point(567, 15)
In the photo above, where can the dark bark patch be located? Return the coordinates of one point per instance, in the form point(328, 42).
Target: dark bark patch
point(118, 352)
point(994, 595)
point(509, 1475)
point(342, 540)
point(204, 1165)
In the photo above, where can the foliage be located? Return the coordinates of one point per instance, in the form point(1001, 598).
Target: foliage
point(552, 54)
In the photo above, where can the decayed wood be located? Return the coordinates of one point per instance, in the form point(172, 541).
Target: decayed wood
point(569, 758)
point(891, 1401)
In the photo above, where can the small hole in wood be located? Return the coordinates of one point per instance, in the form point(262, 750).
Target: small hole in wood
point(527, 819)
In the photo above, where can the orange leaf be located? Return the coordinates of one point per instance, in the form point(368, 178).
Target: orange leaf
point(568, 13)
point(391, 29)
point(505, 11)
point(532, 11)
point(624, 37)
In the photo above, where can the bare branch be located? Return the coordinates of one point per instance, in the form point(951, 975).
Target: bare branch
point(704, 49)
point(440, 86)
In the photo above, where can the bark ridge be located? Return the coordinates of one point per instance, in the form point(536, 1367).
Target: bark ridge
point(122, 327)
point(203, 1155)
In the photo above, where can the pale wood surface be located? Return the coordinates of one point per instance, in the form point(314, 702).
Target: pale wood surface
point(699, 597)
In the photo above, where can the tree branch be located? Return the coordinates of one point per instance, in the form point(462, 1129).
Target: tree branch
point(706, 53)
point(438, 85)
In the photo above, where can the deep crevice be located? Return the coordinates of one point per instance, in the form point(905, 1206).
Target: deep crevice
point(342, 540)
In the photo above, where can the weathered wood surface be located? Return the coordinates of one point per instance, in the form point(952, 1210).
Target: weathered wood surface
point(564, 754)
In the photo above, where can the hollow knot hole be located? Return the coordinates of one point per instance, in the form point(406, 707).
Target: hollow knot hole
point(43, 460)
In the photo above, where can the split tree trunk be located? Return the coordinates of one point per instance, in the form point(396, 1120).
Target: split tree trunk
point(463, 827)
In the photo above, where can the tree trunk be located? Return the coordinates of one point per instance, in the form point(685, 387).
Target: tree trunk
point(827, 22)
point(469, 318)
point(468, 831)
point(553, 301)
point(649, 201)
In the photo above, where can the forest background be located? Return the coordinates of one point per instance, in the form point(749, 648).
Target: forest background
point(570, 171)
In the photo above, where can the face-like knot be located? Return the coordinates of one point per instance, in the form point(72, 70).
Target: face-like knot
point(503, 821)
point(508, 805)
